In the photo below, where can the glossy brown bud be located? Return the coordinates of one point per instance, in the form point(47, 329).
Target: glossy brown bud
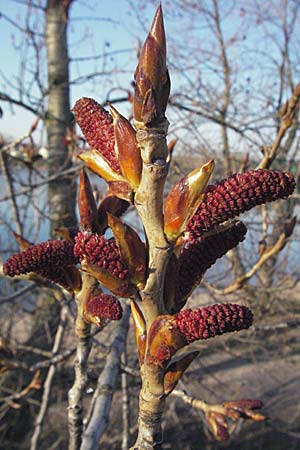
point(176, 369)
point(132, 249)
point(126, 149)
point(140, 330)
point(113, 205)
point(183, 200)
point(152, 82)
point(86, 204)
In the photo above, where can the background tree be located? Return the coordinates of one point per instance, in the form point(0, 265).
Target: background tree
point(216, 80)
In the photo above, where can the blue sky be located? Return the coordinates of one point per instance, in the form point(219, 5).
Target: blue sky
point(95, 27)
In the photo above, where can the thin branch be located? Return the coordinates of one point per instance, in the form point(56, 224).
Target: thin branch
point(240, 282)
point(101, 402)
point(48, 382)
point(125, 404)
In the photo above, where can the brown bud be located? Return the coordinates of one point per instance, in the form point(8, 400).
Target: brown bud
point(152, 83)
point(132, 249)
point(24, 244)
point(183, 200)
point(175, 371)
point(164, 339)
point(110, 204)
point(86, 204)
point(127, 150)
point(140, 330)
point(121, 189)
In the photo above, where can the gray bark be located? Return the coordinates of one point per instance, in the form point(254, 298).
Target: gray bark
point(62, 193)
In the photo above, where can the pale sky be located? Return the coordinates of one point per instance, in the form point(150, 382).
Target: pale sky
point(107, 26)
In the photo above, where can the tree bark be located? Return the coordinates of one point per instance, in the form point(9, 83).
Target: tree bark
point(62, 193)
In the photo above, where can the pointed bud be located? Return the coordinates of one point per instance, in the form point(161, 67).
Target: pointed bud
point(175, 371)
point(183, 200)
point(170, 285)
point(97, 127)
point(198, 256)
point(86, 204)
point(67, 277)
point(132, 250)
point(113, 205)
point(152, 83)
point(101, 258)
point(24, 244)
point(237, 194)
point(218, 425)
point(140, 330)
point(126, 149)
point(245, 408)
point(97, 309)
point(67, 233)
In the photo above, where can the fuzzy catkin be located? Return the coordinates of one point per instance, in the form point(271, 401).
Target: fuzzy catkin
point(41, 258)
point(102, 252)
point(104, 306)
point(237, 194)
point(211, 321)
point(97, 127)
point(199, 255)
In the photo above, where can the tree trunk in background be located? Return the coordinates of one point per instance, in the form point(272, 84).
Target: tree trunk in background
point(62, 192)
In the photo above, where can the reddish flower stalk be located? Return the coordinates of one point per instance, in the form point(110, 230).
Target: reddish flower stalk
point(101, 307)
point(238, 194)
point(97, 127)
point(41, 258)
point(211, 321)
point(102, 252)
point(198, 256)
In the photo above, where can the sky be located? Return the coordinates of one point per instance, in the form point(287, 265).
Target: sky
point(95, 27)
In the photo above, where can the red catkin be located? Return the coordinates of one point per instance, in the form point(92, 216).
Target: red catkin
point(199, 255)
point(211, 321)
point(97, 127)
point(102, 252)
point(41, 258)
point(104, 306)
point(237, 194)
